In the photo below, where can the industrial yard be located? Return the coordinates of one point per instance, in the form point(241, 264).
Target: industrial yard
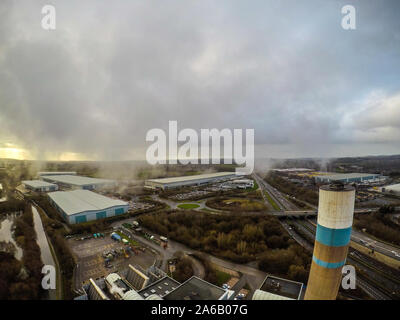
point(97, 257)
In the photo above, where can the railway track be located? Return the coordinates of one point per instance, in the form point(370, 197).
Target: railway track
point(374, 288)
point(386, 285)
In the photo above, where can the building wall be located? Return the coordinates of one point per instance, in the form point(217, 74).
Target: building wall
point(97, 215)
point(136, 278)
point(187, 183)
point(92, 215)
point(42, 189)
point(354, 179)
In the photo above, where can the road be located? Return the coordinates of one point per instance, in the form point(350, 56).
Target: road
point(366, 241)
point(356, 236)
point(386, 278)
point(359, 237)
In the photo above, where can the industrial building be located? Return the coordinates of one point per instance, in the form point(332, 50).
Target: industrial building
point(120, 289)
point(160, 287)
point(80, 206)
point(243, 183)
point(94, 292)
point(199, 289)
point(137, 279)
point(78, 182)
point(274, 288)
point(293, 170)
point(348, 177)
point(39, 185)
point(184, 181)
point(334, 223)
point(394, 189)
point(56, 173)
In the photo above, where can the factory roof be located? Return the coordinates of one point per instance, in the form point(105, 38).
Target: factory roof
point(282, 287)
point(37, 183)
point(72, 202)
point(132, 295)
point(293, 169)
point(393, 187)
point(194, 177)
point(264, 295)
point(77, 180)
point(160, 287)
point(340, 176)
point(196, 289)
point(56, 173)
point(243, 181)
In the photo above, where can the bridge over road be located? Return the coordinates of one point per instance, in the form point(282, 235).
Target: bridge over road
point(313, 213)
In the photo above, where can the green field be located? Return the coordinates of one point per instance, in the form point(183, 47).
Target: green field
point(188, 206)
point(272, 202)
point(222, 277)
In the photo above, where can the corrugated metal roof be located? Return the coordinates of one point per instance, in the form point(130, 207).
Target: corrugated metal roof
point(37, 183)
point(77, 180)
point(394, 187)
point(72, 202)
point(195, 177)
point(54, 173)
point(341, 176)
point(264, 295)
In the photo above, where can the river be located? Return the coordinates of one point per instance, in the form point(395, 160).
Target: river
point(45, 252)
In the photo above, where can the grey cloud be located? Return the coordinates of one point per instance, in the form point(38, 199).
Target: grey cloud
point(112, 71)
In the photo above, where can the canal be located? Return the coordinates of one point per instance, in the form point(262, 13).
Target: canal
point(45, 252)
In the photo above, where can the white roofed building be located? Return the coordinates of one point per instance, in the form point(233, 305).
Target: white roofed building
point(39, 185)
point(80, 206)
point(78, 182)
point(195, 180)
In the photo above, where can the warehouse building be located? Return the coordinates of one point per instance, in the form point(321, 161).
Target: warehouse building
point(78, 182)
point(39, 185)
point(184, 181)
point(56, 173)
point(80, 206)
point(394, 189)
point(348, 177)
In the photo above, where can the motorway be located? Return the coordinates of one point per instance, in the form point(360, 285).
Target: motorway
point(361, 238)
point(386, 280)
point(290, 210)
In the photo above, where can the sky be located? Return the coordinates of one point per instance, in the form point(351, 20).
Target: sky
point(111, 71)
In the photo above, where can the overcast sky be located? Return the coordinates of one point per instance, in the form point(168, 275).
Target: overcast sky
point(112, 70)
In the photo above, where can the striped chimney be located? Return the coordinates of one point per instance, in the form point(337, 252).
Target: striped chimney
point(335, 219)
